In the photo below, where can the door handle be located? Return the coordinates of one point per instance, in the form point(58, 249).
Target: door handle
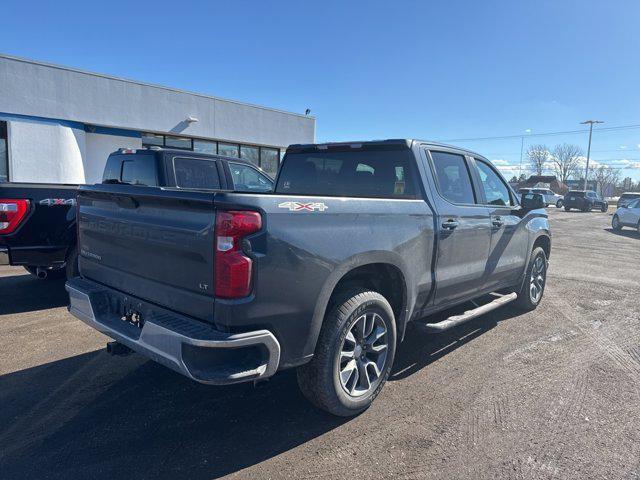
point(450, 224)
point(497, 222)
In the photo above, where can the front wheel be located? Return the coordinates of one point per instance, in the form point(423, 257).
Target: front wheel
point(615, 223)
point(354, 354)
point(604, 208)
point(532, 289)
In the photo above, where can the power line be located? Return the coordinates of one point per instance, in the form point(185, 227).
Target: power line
point(546, 134)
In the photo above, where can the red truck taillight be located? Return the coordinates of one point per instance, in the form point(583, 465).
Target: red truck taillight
point(12, 212)
point(232, 266)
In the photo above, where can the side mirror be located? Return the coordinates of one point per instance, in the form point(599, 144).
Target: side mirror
point(532, 201)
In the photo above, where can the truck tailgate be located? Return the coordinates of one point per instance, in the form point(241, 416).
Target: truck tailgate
point(150, 245)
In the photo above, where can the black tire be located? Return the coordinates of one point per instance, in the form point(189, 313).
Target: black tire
point(567, 209)
point(71, 268)
point(52, 274)
point(604, 208)
point(559, 204)
point(320, 380)
point(525, 300)
point(615, 223)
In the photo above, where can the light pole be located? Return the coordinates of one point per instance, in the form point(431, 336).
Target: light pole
point(528, 130)
point(590, 123)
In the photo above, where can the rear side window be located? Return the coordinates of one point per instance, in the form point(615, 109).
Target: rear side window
point(359, 173)
point(248, 179)
point(140, 170)
point(196, 173)
point(454, 181)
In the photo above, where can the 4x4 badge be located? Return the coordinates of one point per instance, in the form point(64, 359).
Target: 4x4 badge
point(300, 207)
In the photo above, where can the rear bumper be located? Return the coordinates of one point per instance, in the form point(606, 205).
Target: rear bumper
point(4, 256)
point(187, 346)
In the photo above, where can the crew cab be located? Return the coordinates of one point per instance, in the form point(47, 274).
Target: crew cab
point(585, 201)
point(38, 221)
point(322, 274)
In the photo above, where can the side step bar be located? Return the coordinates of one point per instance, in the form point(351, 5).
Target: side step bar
point(456, 320)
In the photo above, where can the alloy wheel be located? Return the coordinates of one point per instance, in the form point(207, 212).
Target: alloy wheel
point(363, 354)
point(537, 279)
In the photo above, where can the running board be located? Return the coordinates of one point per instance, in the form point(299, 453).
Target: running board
point(456, 320)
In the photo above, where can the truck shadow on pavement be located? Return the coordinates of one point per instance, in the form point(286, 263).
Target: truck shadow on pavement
point(96, 416)
point(419, 348)
point(25, 293)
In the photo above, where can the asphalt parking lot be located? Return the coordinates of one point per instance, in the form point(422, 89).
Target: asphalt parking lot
point(550, 394)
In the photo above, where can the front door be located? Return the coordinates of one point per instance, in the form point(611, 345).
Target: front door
point(509, 237)
point(463, 229)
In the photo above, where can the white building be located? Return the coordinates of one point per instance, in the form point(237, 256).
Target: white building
point(58, 124)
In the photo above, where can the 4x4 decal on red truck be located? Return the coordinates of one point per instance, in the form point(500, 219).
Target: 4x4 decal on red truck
point(300, 207)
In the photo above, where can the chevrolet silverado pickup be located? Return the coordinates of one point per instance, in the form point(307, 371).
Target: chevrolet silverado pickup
point(322, 274)
point(38, 221)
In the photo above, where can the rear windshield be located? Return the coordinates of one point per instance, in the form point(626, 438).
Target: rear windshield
point(366, 173)
point(630, 195)
point(576, 194)
point(133, 169)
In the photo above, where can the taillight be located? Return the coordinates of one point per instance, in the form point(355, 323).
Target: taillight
point(12, 212)
point(232, 266)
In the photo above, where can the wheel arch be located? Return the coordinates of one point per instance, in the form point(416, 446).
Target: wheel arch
point(383, 272)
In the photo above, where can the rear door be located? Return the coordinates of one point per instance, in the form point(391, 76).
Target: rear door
point(509, 239)
point(464, 229)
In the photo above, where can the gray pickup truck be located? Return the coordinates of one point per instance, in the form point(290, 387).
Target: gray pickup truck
point(322, 274)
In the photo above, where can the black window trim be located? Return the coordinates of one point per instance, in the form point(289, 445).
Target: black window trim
point(468, 166)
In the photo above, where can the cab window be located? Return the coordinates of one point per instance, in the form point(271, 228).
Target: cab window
point(454, 181)
point(496, 191)
point(248, 179)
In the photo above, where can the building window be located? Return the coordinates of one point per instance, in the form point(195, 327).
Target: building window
point(152, 140)
point(269, 160)
point(178, 142)
point(250, 153)
point(4, 153)
point(202, 146)
point(228, 149)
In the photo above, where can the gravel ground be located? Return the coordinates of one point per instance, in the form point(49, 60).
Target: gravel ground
point(550, 394)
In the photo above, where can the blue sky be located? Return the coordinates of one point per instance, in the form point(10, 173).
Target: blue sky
point(372, 69)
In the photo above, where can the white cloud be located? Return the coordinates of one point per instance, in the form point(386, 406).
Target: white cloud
point(623, 147)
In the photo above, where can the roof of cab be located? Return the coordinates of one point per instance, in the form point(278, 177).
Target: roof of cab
point(392, 143)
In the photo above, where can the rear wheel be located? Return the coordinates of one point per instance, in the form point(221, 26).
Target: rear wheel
point(559, 203)
point(354, 354)
point(604, 208)
point(530, 294)
point(567, 209)
point(615, 223)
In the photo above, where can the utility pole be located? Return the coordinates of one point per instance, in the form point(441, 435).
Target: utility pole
point(590, 123)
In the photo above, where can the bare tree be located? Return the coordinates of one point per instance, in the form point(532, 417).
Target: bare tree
point(606, 178)
point(538, 156)
point(566, 161)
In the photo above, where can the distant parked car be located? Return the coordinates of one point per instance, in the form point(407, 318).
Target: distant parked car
point(550, 197)
point(627, 216)
point(585, 201)
point(627, 197)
